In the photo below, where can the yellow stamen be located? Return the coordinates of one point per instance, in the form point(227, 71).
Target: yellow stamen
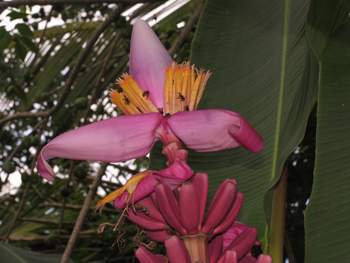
point(169, 89)
point(130, 98)
point(119, 100)
point(184, 87)
point(129, 187)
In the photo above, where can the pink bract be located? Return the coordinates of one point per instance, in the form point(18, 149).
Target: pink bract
point(128, 137)
point(148, 61)
point(174, 175)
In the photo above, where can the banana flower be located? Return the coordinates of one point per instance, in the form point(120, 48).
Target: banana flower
point(159, 99)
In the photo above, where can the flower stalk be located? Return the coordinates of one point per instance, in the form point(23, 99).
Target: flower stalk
point(197, 247)
point(277, 225)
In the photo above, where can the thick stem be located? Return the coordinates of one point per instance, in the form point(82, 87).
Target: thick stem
point(173, 149)
point(277, 224)
point(197, 247)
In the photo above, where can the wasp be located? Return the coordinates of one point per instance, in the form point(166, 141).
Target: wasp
point(126, 100)
point(145, 94)
point(119, 89)
point(181, 97)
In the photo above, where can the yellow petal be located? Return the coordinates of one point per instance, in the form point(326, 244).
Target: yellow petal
point(129, 187)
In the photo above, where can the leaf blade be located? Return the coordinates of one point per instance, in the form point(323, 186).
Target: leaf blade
point(328, 213)
point(263, 69)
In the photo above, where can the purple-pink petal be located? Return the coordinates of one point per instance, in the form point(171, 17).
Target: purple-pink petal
point(148, 207)
point(176, 251)
point(169, 207)
point(113, 140)
point(215, 249)
point(146, 222)
point(148, 61)
point(145, 256)
point(220, 206)
point(264, 259)
point(143, 189)
point(243, 242)
point(228, 257)
point(231, 215)
point(159, 236)
point(189, 207)
point(172, 176)
point(200, 182)
point(175, 174)
point(232, 233)
point(248, 259)
point(214, 130)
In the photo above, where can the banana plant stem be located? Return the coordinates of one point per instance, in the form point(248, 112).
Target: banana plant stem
point(277, 223)
point(197, 247)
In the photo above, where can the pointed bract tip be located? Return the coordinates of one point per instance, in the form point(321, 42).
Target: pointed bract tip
point(148, 61)
point(248, 137)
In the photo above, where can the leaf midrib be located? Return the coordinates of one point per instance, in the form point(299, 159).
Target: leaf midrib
point(281, 88)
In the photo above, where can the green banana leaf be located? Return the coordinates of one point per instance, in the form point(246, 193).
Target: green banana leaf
point(328, 214)
point(9, 253)
point(324, 17)
point(263, 69)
